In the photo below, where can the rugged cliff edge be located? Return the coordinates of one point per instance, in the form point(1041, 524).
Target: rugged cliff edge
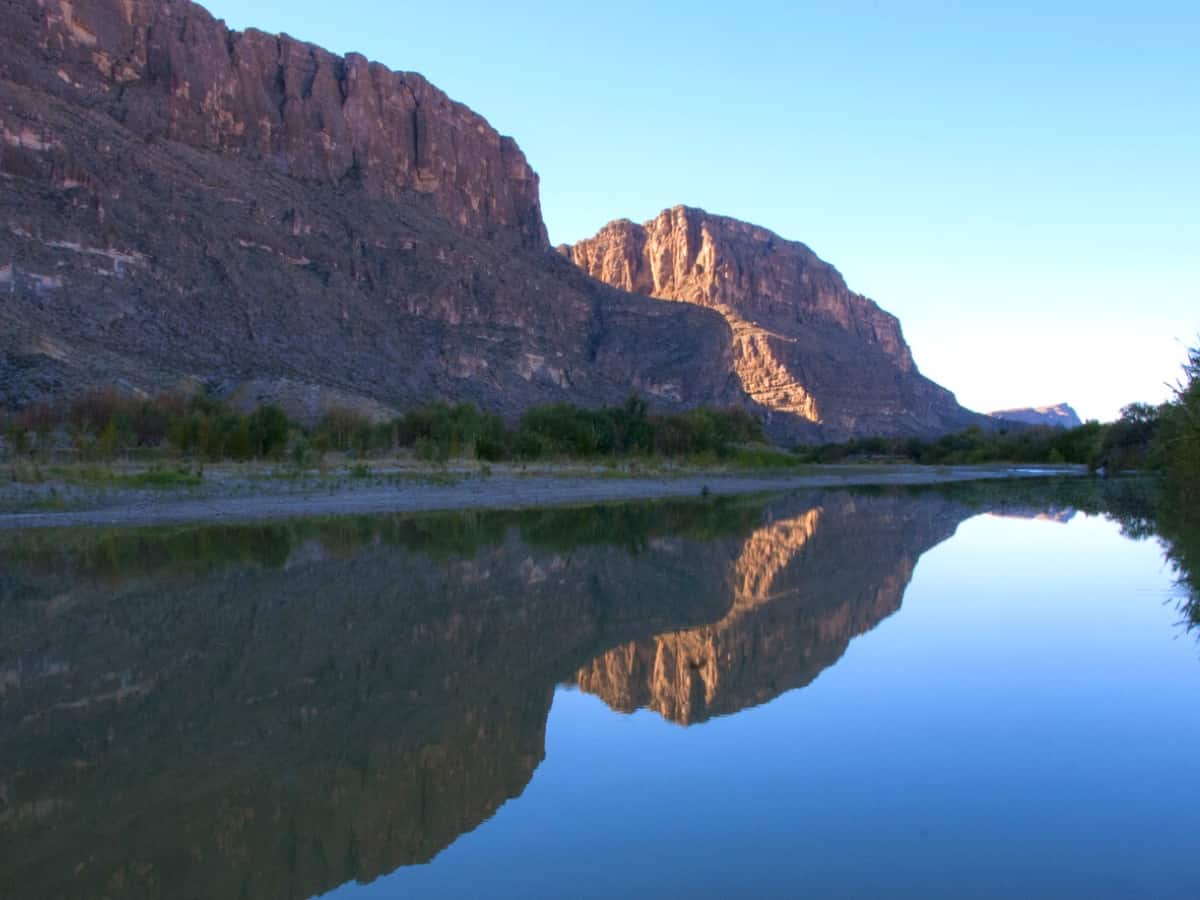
point(167, 70)
point(821, 360)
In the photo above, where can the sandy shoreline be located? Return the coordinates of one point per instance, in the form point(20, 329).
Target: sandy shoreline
point(504, 491)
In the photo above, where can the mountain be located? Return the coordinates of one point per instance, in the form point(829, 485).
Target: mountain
point(186, 206)
point(822, 361)
point(1060, 415)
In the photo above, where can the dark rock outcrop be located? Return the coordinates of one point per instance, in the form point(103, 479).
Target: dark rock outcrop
point(822, 361)
point(1061, 415)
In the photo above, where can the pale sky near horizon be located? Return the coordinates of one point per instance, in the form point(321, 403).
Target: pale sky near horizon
point(1018, 182)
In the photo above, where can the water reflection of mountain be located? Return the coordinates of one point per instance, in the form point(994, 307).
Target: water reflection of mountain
point(272, 711)
point(805, 584)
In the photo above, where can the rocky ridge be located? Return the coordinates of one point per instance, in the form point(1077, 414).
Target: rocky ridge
point(166, 70)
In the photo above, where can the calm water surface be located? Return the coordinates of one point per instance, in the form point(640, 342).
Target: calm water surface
point(964, 694)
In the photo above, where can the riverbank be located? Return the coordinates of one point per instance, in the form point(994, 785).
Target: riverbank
point(238, 494)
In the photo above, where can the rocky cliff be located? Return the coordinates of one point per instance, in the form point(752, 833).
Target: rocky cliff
point(822, 361)
point(1061, 415)
point(166, 70)
point(185, 205)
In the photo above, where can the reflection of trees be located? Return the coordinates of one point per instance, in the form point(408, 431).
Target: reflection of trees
point(1178, 524)
point(1143, 506)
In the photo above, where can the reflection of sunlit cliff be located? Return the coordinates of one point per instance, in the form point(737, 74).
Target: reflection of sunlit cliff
point(799, 600)
point(349, 700)
point(765, 554)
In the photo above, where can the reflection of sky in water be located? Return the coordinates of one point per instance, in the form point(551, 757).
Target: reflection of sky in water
point(1024, 726)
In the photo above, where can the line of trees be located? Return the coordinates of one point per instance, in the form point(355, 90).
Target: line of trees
point(1155, 438)
point(103, 425)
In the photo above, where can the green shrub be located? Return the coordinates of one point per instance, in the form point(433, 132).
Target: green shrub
point(1177, 442)
point(430, 450)
point(268, 431)
point(103, 424)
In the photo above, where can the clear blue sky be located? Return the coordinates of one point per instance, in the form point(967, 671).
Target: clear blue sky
point(1018, 182)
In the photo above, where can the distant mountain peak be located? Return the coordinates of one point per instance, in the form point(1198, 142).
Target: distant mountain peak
point(1060, 415)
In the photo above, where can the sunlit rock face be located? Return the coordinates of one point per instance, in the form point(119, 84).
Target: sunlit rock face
point(182, 205)
point(805, 584)
point(821, 360)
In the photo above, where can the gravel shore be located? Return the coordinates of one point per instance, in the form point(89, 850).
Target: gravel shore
point(248, 501)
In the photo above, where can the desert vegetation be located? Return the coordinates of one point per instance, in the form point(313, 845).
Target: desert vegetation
point(1163, 438)
point(102, 426)
point(105, 425)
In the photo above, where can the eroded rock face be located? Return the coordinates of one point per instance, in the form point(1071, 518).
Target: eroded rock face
point(168, 70)
point(823, 361)
point(181, 204)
